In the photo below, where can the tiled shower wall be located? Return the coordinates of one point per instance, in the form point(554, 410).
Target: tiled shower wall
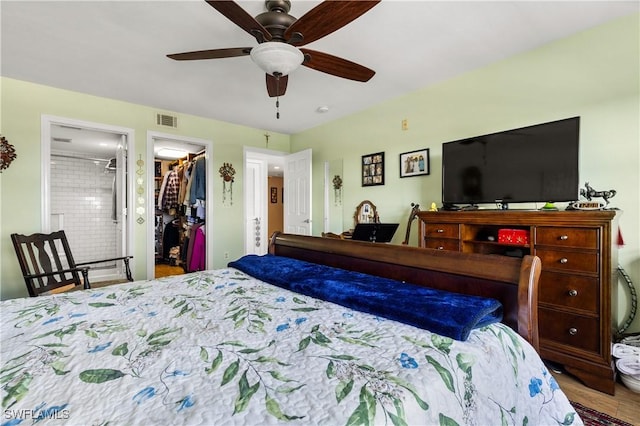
point(82, 199)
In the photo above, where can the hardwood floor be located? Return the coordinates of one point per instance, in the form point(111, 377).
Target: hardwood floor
point(168, 270)
point(624, 405)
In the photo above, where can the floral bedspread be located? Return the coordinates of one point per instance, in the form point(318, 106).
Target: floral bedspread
point(220, 347)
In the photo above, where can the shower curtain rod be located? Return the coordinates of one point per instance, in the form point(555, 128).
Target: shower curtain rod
point(80, 158)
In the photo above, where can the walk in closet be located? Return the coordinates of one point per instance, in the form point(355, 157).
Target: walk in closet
point(180, 206)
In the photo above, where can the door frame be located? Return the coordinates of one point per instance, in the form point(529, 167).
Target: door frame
point(255, 188)
point(46, 122)
point(150, 199)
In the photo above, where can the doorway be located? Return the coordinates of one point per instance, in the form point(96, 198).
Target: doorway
point(84, 181)
point(174, 223)
point(264, 170)
point(291, 178)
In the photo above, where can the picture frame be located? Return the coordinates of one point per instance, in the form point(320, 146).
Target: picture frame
point(415, 163)
point(274, 195)
point(373, 169)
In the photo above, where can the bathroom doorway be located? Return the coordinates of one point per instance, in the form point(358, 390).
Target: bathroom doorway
point(84, 181)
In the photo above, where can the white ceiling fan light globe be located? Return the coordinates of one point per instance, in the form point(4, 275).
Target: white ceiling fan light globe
point(277, 57)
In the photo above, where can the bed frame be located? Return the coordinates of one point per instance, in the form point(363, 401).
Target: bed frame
point(512, 281)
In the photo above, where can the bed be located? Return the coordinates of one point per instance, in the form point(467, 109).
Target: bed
point(223, 347)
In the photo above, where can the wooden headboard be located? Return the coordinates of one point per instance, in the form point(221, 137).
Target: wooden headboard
point(512, 281)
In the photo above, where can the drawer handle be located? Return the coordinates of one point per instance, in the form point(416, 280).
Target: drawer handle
point(573, 331)
point(439, 231)
point(573, 293)
point(564, 260)
point(440, 247)
point(564, 237)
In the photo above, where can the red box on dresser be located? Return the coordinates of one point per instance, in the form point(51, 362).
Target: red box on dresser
point(513, 236)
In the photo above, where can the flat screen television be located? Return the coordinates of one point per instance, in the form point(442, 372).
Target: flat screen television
point(532, 164)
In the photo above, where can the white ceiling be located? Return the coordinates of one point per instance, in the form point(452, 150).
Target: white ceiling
point(116, 49)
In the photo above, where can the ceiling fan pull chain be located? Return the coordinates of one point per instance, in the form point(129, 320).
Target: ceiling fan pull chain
point(277, 76)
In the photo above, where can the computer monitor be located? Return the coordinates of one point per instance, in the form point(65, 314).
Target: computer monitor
point(374, 232)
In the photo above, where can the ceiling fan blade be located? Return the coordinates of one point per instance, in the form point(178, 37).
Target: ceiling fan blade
point(325, 18)
point(241, 18)
point(211, 54)
point(333, 65)
point(277, 86)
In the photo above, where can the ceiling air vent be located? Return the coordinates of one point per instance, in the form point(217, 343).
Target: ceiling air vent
point(166, 120)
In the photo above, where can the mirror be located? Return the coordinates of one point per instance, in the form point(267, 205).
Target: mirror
point(366, 212)
point(333, 193)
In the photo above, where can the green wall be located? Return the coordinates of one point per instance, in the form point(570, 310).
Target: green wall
point(24, 103)
point(594, 75)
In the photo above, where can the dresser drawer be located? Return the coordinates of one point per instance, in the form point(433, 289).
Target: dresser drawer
point(573, 291)
point(567, 237)
point(568, 260)
point(442, 244)
point(442, 230)
point(572, 330)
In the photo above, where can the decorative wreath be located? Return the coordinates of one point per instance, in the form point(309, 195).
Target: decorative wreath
point(227, 171)
point(337, 182)
point(7, 153)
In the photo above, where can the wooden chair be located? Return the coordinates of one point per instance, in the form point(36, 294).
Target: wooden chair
point(48, 266)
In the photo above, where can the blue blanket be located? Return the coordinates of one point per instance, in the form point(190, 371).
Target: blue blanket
point(445, 313)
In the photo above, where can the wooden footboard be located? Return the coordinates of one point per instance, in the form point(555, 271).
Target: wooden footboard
point(512, 281)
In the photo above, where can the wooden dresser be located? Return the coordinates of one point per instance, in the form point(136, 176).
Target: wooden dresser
point(577, 299)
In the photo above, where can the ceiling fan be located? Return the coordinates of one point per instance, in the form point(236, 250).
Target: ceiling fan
point(279, 35)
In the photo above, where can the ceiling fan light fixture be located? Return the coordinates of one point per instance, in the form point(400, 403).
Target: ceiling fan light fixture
point(277, 58)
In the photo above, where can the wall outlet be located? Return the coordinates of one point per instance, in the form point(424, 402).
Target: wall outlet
point(226, 255)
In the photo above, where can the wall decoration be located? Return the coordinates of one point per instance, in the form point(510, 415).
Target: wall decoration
point(337, 190)
point(414, 163)
point(140, 210)
point(373, 169)
point(7, 153)
point(226, 173)
point(274, 195)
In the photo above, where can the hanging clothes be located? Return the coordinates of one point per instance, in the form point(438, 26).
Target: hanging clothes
point(163, 186)
point(170, 238)
point(198, 257)
point(187, 263)
point(199, 178)
point(170, 196)
point(185, 176)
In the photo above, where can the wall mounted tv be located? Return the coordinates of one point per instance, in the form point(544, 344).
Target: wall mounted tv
point(532, 164)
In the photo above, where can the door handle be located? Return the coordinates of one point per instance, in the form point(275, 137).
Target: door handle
point(306, 221)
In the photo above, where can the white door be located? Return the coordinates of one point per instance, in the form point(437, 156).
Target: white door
point(255, 208)
point(297, 191)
